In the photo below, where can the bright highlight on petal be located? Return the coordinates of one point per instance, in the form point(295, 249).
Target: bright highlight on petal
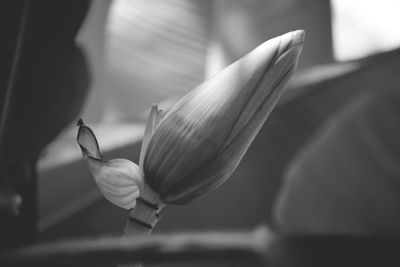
point(119, 180)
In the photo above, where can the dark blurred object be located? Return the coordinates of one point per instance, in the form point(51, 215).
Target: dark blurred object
point(43, 81)
point(51, 75)
point(10, 202)
point(333, 251)
point(244, 248)
point(345, 179)
point(260, 247)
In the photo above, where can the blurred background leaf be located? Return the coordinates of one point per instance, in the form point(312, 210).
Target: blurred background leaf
point(345, 178)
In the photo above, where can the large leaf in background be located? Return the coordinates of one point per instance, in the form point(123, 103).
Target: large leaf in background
point(347, 179)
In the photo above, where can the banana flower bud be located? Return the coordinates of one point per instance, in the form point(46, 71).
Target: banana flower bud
point(197, 145)
point(202, 139)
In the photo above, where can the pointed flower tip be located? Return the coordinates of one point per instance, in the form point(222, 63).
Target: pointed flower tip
point(298, 37)
point(87, 141)
point(80, 122)
point(288, 45)
point(292, 40)
point(155, 110)
point(296, 43)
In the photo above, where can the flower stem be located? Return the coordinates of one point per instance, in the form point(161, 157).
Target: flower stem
point(143, 218)
point(145, 215)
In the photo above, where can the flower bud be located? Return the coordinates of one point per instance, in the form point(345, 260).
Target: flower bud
point(197, 145)
point(201, 140)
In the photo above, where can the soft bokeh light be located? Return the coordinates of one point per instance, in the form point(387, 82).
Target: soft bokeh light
point(361, 28)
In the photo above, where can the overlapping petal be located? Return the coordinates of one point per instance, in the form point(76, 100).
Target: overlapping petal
point(119, 180)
